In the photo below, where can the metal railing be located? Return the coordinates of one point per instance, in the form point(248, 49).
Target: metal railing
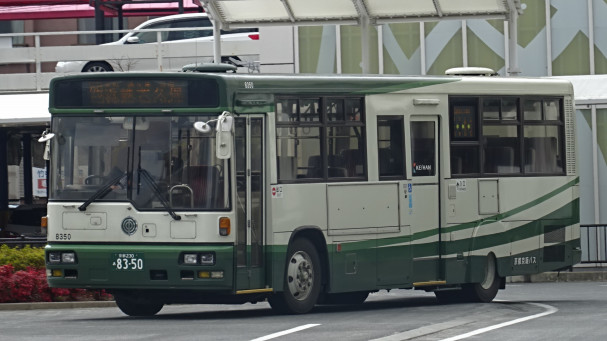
point(161, 55)
point(594, 240)
point(22, 241)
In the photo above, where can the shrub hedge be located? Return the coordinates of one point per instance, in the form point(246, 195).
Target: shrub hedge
point(23, 279)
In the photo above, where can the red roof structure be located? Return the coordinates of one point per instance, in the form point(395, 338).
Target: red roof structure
point(62, 9)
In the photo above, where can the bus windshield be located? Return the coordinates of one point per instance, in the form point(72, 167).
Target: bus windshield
point(151, 161)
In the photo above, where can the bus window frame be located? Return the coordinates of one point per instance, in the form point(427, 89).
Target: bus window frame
point(520, 123)
point(324, 125)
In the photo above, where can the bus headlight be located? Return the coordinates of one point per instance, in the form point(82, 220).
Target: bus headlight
point(54, 257)
point(190, 259)
point(68, 257)
point(58, 257)
point(207, 259)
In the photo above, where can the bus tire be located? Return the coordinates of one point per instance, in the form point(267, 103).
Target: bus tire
point(137, 306)
point(302, 280)
point(486, 290)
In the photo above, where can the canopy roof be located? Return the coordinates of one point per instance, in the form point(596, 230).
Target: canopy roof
point(61, 9)
point(24, 109)
point(239, 13)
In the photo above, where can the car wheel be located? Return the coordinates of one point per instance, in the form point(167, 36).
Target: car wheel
point(97, 67)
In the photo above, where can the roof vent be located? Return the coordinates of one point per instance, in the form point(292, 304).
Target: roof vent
point(470, 71)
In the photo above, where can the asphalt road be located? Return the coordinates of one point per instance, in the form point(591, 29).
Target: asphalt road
point(526, 311)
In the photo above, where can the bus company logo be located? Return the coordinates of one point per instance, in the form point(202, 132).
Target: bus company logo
point(525, 260)
point(129, 226)
point(421, 168)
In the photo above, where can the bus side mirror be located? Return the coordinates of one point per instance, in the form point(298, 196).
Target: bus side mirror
point(46, 138)
point(224, 138)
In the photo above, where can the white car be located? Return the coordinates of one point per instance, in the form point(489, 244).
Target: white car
point(172, 21)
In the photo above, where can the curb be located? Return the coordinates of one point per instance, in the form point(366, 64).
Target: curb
point(57, 305)
point(581, 276)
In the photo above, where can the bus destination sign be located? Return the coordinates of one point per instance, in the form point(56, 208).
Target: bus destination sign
point(137, 92)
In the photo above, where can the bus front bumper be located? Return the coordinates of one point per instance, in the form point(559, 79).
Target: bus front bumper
point(128, 266)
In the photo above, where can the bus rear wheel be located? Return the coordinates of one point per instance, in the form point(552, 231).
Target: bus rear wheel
point(137, 306)
point(302, 279)
point(486, 290)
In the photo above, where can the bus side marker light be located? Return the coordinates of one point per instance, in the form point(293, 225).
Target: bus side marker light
point(224, 226)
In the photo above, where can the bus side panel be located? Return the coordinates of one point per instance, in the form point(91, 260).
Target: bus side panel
point(298, 205)
point(353, 266)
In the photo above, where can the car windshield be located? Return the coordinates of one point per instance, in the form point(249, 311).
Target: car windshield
point(153, 162)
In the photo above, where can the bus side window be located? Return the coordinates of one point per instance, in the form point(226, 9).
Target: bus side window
point(423, 149)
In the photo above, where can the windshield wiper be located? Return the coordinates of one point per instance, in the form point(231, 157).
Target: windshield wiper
point(147, 178)
point(102, 192)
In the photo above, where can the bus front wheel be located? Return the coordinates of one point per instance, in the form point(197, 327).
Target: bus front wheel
point(302, 279)
point(486, 290)
point(137, 306)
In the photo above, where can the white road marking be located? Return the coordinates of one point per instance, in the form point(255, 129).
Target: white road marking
point(549, 310)
point(285, 332)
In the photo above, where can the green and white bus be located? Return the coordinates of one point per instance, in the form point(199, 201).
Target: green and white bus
point(171, 188)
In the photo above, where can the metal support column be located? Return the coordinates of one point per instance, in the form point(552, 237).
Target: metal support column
point(513, 39)
point(28, 188)
point(4, 212)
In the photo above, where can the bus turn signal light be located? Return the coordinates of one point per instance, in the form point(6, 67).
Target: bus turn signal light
point(224, 226)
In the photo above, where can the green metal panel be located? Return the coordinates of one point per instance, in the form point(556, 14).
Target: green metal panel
point(577, 51)
point(310, 38)
point(450, 56)
point(351, 47)
point(479, 54)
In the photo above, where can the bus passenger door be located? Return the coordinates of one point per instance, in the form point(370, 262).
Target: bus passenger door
point(249, 204)
point(423, 198)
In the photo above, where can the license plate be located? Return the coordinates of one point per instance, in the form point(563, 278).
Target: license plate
point(127, 261)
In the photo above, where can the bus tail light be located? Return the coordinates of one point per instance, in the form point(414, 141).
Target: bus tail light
point(224, 226)
point(254, 36)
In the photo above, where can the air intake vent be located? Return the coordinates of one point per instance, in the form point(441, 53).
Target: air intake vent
point(570, 136)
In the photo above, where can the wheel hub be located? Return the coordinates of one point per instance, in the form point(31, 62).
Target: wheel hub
point(300, 275)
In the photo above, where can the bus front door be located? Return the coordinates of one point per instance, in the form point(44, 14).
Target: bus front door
point(249, 203)
point(423, 204)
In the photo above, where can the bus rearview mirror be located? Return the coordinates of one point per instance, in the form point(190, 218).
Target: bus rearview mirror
point(224, 137)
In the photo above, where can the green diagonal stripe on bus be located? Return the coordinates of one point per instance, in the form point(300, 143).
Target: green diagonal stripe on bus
point(404, 86)
point(510, 213)
point(528, 230)
point(473, 224)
